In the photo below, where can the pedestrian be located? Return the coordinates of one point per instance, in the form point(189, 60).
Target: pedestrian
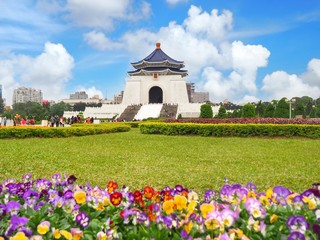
point(0, 121)
point(5, 121)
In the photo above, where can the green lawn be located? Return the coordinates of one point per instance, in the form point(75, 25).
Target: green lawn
point(137, 160)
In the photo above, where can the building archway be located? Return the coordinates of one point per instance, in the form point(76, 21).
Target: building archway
point(155, 95)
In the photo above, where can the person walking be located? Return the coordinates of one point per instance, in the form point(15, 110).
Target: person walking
point(0, 121)
point(5, 121)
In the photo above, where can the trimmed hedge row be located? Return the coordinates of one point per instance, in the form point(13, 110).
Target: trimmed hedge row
point(232, 130)
point(47, 132)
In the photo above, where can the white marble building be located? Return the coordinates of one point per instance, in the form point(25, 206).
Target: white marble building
point(157, 79)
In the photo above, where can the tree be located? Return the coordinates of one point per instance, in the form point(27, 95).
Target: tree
point(59, 108)
point(206, 111)
point(248, 111)
point(236, 113)
point(260, 108)
point(80, 106)
point(282, 109)
point(2, 107)
point(299, 110)
point(222, 112)
point(269, 111)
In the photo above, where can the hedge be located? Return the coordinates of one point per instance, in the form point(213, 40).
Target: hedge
point(47, 132)
point(232, 130)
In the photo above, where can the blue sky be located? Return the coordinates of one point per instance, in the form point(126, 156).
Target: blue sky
point(241, 50)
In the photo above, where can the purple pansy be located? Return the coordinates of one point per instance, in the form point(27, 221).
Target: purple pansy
point(281, 194)
point(297, 224)
point(296, 236)
point(13, 208)
point(82, 219)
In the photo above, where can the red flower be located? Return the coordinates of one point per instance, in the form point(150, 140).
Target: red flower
point(112, 186)
point(137, 196)
point(116, 198)
point(167, 196)
point(148, 192)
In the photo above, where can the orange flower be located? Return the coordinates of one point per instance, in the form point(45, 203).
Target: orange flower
point(148, 192)
point(112, 186)
point(168, 206)
point(167, 196)
point(116, 198)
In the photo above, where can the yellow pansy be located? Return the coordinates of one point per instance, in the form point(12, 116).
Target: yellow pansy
point(19, 236)
point(188, 227)
point(80, 196)
point(269, 193)
point(76, 233)
point(168, 206)
point(192, 206)
point(205, 208)
point(264, 201)
point(212, 224)
point(180, 202)
point(67, 235)
point(274, 218)
point(56, 233)
point(43, 227)
point(311, 202)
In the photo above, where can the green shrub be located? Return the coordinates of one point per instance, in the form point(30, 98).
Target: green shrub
point(232, 130)
point(46, 132)
point(248, 111)
point(206, 111)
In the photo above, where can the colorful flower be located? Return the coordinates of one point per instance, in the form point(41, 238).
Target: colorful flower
point(19, 236)
point(168, 206)
point(80, 196)
point(116, 198)
point(43, 227)
point(180, 202)
point(82, 219)
point(205, 208)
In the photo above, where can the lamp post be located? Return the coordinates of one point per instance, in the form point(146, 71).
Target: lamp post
point(290, 102)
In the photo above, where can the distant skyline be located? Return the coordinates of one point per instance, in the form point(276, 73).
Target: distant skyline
point(241, 50)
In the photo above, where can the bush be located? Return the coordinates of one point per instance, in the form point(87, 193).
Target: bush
point(206, 111)
point(232, 130)
point(248, 111)
point(46, 132)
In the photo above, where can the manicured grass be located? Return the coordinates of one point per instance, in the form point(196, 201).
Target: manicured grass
point(138, 160)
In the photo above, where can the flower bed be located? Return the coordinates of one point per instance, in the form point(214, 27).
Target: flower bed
point(60, 209)
point(248, 120)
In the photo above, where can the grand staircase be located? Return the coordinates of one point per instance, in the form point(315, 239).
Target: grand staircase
point(169, 111)
point(129, 113)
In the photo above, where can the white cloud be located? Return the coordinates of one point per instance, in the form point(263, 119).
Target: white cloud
point(99, 41)
point(210, 25)
point(91, 91)
point(175, 2)
point(99, 14)
point(48, 71)
point(312, 75)
point(281, 84)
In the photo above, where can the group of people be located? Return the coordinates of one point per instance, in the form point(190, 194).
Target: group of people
point(4, 120)
point(56, 121)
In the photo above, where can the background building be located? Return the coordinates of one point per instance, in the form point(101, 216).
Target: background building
point(196, 97)
point(79, 95)
point(24, 95)
point(117, 99)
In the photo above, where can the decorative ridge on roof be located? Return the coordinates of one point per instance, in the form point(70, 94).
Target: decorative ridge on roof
point(158, 56)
